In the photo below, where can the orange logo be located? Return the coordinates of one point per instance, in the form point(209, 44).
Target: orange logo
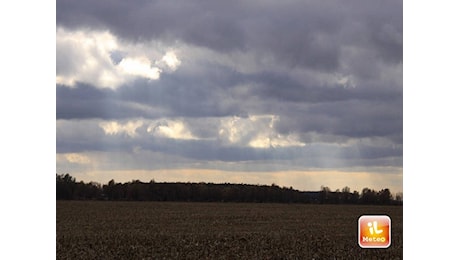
point(374, 231)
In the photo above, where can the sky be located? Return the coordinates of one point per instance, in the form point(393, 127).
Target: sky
point(297, 93)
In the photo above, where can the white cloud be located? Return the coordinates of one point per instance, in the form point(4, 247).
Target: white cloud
point(171, 60)
point(76, 158)
point(345, 81)
point(233, 129)
point(139, 67)
point(267, 140)
point(256, 131)
point(85, 56)
point(113, 127)
point(168, 128)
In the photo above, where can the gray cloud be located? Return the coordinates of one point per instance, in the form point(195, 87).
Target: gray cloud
point(301, 33)
point(87, 136)
point(325, 77)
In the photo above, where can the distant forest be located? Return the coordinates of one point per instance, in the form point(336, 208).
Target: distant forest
point(67, 188)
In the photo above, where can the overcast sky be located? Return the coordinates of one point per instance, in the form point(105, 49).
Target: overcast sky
point(297, 93)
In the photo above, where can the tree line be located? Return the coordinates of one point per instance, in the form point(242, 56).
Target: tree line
point(67, 188)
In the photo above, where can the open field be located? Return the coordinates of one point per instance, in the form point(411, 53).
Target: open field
point(173, 230)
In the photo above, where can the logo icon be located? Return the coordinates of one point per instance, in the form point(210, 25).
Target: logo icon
point(374, 231)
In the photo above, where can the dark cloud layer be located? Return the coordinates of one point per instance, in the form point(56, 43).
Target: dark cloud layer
point(87, 136)
point(305, 33)
point(330, 72)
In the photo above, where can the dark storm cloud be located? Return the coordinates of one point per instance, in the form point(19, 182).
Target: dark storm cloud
point(176, 95)
point(282, 87)
point(86, 102)
point(187, 95)
point(173, 95)
point(74, 136)
point(202, 23)
point(302, 108)
point(328, 70)
point(350, 118)
point(82, 102)
point(298, 33)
